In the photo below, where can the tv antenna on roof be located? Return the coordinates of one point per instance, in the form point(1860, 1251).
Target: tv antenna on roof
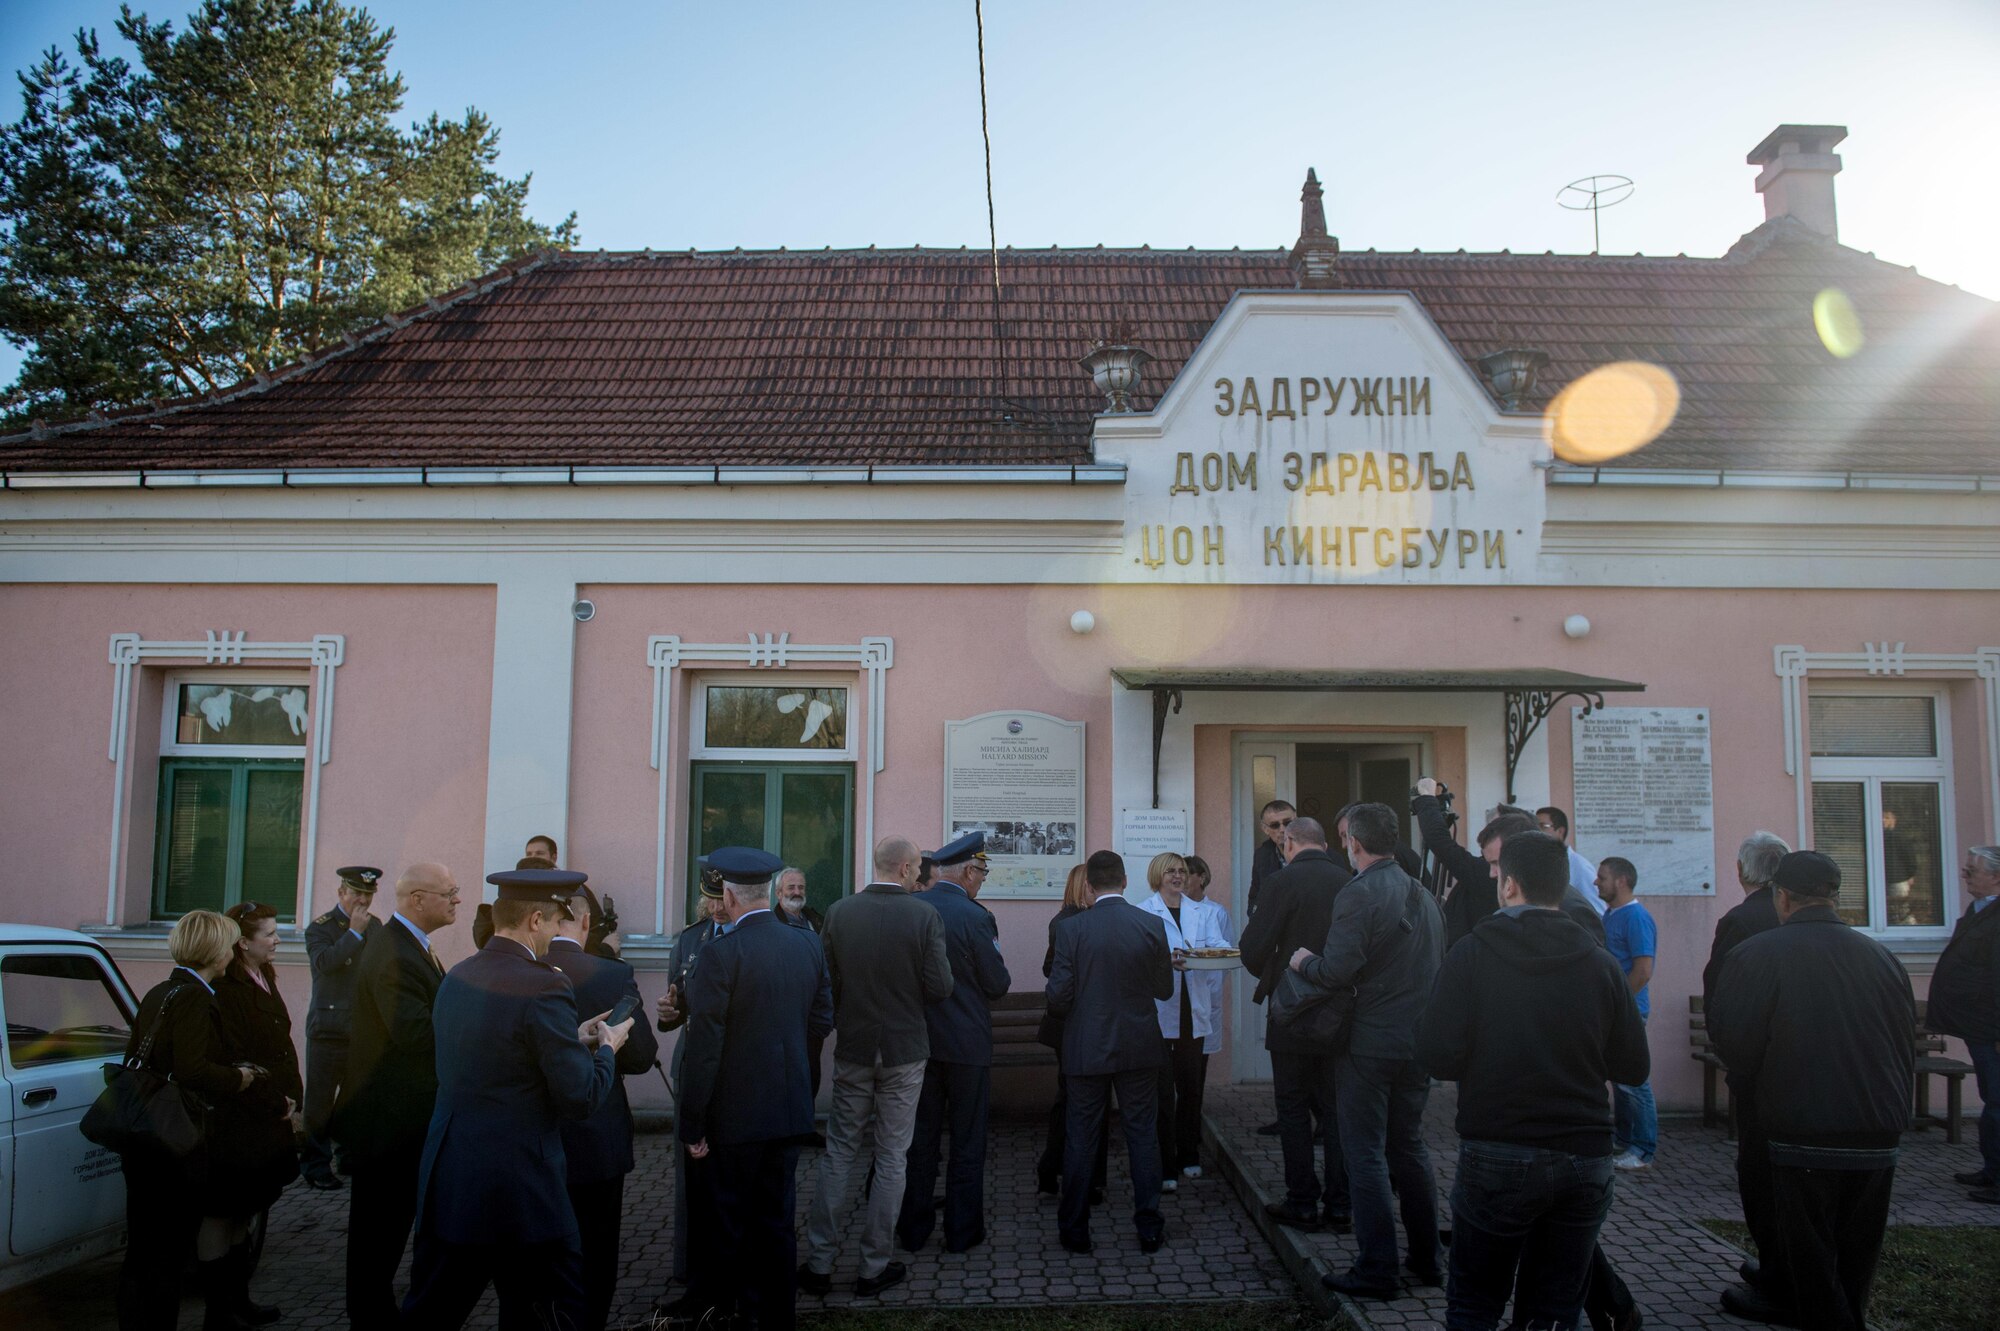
point(1593, 194)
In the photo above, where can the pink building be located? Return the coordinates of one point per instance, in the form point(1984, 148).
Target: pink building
point(654, 552)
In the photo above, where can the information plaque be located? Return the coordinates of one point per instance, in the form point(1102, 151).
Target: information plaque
point(1018, 777)
point(1644, 790)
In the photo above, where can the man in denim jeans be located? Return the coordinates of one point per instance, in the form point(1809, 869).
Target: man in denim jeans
point(1385, 942)
point(1631, 937)
point(1530, 1017)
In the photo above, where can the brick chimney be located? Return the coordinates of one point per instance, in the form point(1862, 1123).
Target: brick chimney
point(1315, 256)
point(1797, 180)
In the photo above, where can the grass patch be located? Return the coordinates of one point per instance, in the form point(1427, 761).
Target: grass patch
point(1930, 1278)
point(1266, 1316)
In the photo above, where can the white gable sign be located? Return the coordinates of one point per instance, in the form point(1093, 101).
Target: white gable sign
point(1327, 437)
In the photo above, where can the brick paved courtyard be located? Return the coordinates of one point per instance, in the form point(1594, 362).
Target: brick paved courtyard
point(1214, 1253)
point(1676, 1269)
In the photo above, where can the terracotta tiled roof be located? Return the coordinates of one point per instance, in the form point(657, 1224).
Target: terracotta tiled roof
point(887, 357)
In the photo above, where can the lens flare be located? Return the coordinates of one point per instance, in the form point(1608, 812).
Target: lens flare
point(1611, 411)
point(1837, 322)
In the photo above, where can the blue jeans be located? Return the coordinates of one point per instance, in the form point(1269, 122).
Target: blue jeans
point(1635, 1120)
point(1986, 1071)
point(1516, 1206)
point(1380, 1103)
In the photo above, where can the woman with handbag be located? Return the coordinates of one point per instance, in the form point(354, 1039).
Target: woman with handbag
point(263, 1156)
point(175, 1037)
point(1190, 1021)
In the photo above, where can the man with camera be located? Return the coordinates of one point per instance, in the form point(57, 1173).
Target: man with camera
point(1477, 892)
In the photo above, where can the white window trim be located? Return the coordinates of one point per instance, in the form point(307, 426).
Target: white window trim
point(170, 741)
point(666, 653)
point(1871, 772)
point(1889, 660)
point(324, 653)
point(700, 750)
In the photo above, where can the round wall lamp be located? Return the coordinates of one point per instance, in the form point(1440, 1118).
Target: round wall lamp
point(584, 611)
point(1576, 626)
point(1082, 622)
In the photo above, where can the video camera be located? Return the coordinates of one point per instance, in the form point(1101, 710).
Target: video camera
point(1444, 798)
point(604, 922)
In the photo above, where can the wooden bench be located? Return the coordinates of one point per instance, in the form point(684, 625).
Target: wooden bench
point(1712, 1071)
point(1017, 1019)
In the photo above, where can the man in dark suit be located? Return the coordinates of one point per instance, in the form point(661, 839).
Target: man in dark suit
point(598, 1149)
point(1269, 857)
point(1298, 906)
point(672, 1013)
point(513, 1062)
point(755, 1003)
point(1965, 1001)
point(958, 1077)
point(1756, 861)
point(333, 949)
point(385, 1103)
point(1112, 964)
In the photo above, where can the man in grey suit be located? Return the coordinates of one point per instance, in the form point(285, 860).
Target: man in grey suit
point(1111, 963)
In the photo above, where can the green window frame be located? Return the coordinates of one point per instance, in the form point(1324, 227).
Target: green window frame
point(228, 830)
point(801, 812)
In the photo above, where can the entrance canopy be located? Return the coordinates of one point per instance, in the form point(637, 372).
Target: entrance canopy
point(1529, 693)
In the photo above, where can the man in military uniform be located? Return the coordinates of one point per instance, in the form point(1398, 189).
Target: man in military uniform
point(672, 1013)
point(513, 1063)
point(958, 1078)
point(598, 1149)
point(333, 947)
point(759, 996)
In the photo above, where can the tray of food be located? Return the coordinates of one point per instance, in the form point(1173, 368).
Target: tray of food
point(1213, 959)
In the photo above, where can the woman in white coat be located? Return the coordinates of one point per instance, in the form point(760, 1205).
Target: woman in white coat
point(1190, 1021)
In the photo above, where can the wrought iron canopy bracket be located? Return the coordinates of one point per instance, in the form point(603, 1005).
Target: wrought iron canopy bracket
point(1525, 710)
point(1163, 700)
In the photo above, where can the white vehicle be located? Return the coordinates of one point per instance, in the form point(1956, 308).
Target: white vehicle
point(68, 1013)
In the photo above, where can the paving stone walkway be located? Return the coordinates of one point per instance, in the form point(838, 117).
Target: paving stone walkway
point(1676, 1269)
point(1213, 1253)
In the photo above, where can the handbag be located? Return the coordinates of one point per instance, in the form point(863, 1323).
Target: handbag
point(141, 1112)
point(1308, 1010)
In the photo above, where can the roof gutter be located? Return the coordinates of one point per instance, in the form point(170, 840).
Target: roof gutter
point(1560, 474)
point(1090, 473)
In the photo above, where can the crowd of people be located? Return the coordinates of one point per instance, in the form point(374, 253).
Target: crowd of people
point(483, 1110)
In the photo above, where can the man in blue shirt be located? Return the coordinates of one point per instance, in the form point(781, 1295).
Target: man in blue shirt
point(1630, 936)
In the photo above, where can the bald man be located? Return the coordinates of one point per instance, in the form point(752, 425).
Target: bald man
point(385, 1104)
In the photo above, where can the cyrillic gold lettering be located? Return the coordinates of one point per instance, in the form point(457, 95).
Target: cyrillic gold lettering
point(1333, 392)
point(1308, 393)
point(1211, 544)
point(1183, 545)
point(1319, 483)
point(1468, 545)
point(1430, 475)
point(1461, 473)
point(1329, 546)
point(1496, 549)
point(1365, 391)
point(1281, 391)
point(1371, 475)
point(1274, 545)
point(1345, 466)
point(1184, 483)
point(1225, 391)
point(1246, 476)
point(1302, 545)
point(1399, 394)
point(1146, 555)
point(1250, 403)
point(1399, 473)
point(1439, 540)
point(1295, 471)
point(1413, 547)
point(1211, 471)
point(1385, 547)
point(1353, 546)
point(1420, 396)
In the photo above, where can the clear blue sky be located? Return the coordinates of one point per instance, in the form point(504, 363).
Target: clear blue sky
point(1438, 126)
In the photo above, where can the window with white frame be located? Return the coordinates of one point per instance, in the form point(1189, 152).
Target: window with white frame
point(1881, 796)
point(232, 791)
point(773, 767)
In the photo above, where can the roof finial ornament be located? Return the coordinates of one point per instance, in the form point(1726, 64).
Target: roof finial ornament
point(1316, 255)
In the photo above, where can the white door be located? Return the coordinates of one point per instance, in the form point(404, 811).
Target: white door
point(1266, 770)
point(68, 1014)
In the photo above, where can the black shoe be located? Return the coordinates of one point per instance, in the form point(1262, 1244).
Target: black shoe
point(1048, 1187)
point(1078, 1245)
point(1097, 1196)
point(328, 1182)
point(686, 1308)
point(1423, 1276)
point(1153, 1244)
point(1751, 1305)
point(1752, 1272)
point(1268, 1130)
point(1990, 1196)
point(258, 1314)
point(969, 1244)
point(912, 1244)
point(893, 1274)
point(819, 1141)
point(1340, 1222)
point(1298, 1216)
point(1978, 1178)
point(810, 1282)
point(1354, 1287)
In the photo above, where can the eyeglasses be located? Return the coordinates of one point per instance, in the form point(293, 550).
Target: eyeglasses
point(448, 896)
point(1277, 825)
point(980, 868)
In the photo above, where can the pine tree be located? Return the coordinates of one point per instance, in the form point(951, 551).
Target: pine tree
point(238, 197)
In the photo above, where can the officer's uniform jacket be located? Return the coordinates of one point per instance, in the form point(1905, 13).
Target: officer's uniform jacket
point(510, 1070)
point(334, 950)
point(688, 944)
point(757, 1000)
point(599, 1148)
point(961, 1024)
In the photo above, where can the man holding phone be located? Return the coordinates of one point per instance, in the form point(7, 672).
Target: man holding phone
point(598, 1149)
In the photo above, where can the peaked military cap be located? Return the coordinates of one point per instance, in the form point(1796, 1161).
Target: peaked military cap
point(360, 877)
point(555, 886)
point(709, 880)
point(971, 846)
point(742, 864)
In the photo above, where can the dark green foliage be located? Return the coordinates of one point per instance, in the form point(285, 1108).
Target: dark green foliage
point(239, 195)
